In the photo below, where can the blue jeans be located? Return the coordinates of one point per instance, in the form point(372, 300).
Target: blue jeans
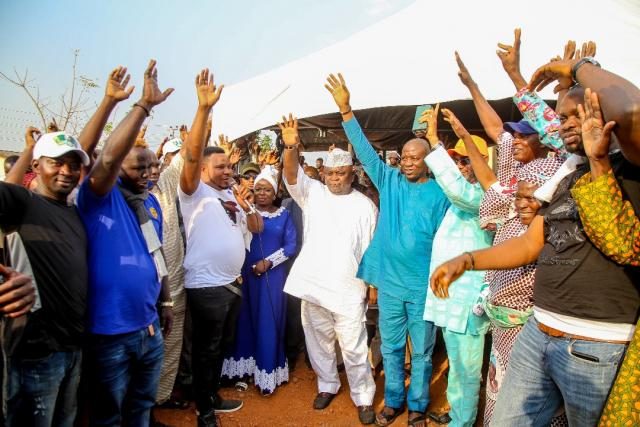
point(125, 374)
point(396, 318)
point(43, 392)
point(542, 371)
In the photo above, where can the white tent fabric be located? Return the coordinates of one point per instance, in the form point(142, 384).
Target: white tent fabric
point(407, 58)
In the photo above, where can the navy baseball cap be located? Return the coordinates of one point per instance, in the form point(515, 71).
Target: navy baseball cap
point(522, 127)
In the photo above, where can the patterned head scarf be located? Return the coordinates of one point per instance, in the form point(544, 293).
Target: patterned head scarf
point(538, 171)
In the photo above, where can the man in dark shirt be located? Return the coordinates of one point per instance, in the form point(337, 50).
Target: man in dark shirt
point(45, 369)
point(585, 305)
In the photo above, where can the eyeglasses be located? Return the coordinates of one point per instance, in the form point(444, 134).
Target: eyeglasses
point(464, 161)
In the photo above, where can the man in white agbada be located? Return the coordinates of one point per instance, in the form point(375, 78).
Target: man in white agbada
point(338, 225)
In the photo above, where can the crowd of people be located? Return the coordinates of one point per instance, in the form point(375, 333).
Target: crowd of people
point(130, 274)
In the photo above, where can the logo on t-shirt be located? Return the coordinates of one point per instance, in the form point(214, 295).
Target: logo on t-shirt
point(153, 212)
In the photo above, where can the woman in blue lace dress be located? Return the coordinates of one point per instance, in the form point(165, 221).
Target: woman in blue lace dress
point(260, 344)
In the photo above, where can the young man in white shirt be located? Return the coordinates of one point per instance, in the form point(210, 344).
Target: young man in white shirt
point(218, 226)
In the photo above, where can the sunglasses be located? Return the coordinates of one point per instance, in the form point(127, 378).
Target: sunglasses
point(464, 161)
point(248, 176)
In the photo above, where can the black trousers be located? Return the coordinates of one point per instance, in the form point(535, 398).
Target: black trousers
point(214, 311)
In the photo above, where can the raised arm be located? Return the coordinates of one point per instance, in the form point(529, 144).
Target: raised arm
point(510, 57)
point(208, 96)
point(373, 165)
point(619, 98)
point(490, 120)
point(481, 169)
point(104, 174)
point(291, 141)
point(17, 172)
point(116, 91)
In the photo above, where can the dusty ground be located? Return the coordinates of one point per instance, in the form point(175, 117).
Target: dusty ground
point(291, 404)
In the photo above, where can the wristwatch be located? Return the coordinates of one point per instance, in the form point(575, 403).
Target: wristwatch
point(585, 60)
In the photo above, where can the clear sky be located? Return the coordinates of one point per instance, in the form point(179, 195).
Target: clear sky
point(236, 39)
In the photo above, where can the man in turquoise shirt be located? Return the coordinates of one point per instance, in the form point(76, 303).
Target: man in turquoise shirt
point(397, 260)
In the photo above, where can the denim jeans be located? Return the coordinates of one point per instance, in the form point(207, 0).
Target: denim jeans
point(398, 317)
point(43, 392)
point(125, 374)
point(543, 370)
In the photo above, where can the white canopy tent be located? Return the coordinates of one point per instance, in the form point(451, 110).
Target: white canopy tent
point(407, 58)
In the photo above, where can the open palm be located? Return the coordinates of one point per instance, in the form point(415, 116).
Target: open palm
point(117, 84)
point(208, 93)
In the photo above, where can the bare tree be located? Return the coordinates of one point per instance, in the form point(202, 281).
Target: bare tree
point(72, 110)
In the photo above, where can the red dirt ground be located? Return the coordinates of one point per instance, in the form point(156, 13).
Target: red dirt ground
point(291, 404)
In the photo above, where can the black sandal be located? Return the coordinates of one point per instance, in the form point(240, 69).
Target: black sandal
point(384, 419)
point(419, 421)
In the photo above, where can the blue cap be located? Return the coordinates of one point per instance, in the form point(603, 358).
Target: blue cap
point(522, 127)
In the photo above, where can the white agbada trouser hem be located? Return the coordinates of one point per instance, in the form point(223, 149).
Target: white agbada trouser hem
point(321, 329)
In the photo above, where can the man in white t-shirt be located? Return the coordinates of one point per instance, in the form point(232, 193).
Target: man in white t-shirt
point(338, 225)
point(218, 225)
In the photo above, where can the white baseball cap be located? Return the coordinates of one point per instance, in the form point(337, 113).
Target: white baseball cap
point(56, 144)
point(171, 146)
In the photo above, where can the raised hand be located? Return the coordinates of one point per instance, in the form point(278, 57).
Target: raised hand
point(588, 49)
point(560, 69)
point(456, 125)
point(289, 129)
point(53, 126)
point(234, 156)
point(338, 89)
point(31, 136)
point(510, 54)
point(272, 158)
point(463, 72)
point(208, 93)
point(596, 135)
point(116, 87)
point(184, 133)
point(151, 93)
point(430, 117)
point(447, 273)
point(223, 142)
point(161, 146)
point(140, 138)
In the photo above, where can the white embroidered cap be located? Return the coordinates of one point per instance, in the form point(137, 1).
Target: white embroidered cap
point(338, 157)
point(269, 174)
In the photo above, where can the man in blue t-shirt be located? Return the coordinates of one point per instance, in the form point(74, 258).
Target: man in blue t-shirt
point(396, 262)
point(124, 224)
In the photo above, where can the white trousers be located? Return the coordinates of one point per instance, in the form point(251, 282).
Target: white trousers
point(321, 329)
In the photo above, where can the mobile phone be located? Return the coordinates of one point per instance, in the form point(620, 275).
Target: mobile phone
point(416, 120)
point(584, 356)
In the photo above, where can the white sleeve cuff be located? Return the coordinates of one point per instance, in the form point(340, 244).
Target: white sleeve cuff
point(277, 258)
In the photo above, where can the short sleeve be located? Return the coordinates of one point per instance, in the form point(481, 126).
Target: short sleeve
point(14, 200)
